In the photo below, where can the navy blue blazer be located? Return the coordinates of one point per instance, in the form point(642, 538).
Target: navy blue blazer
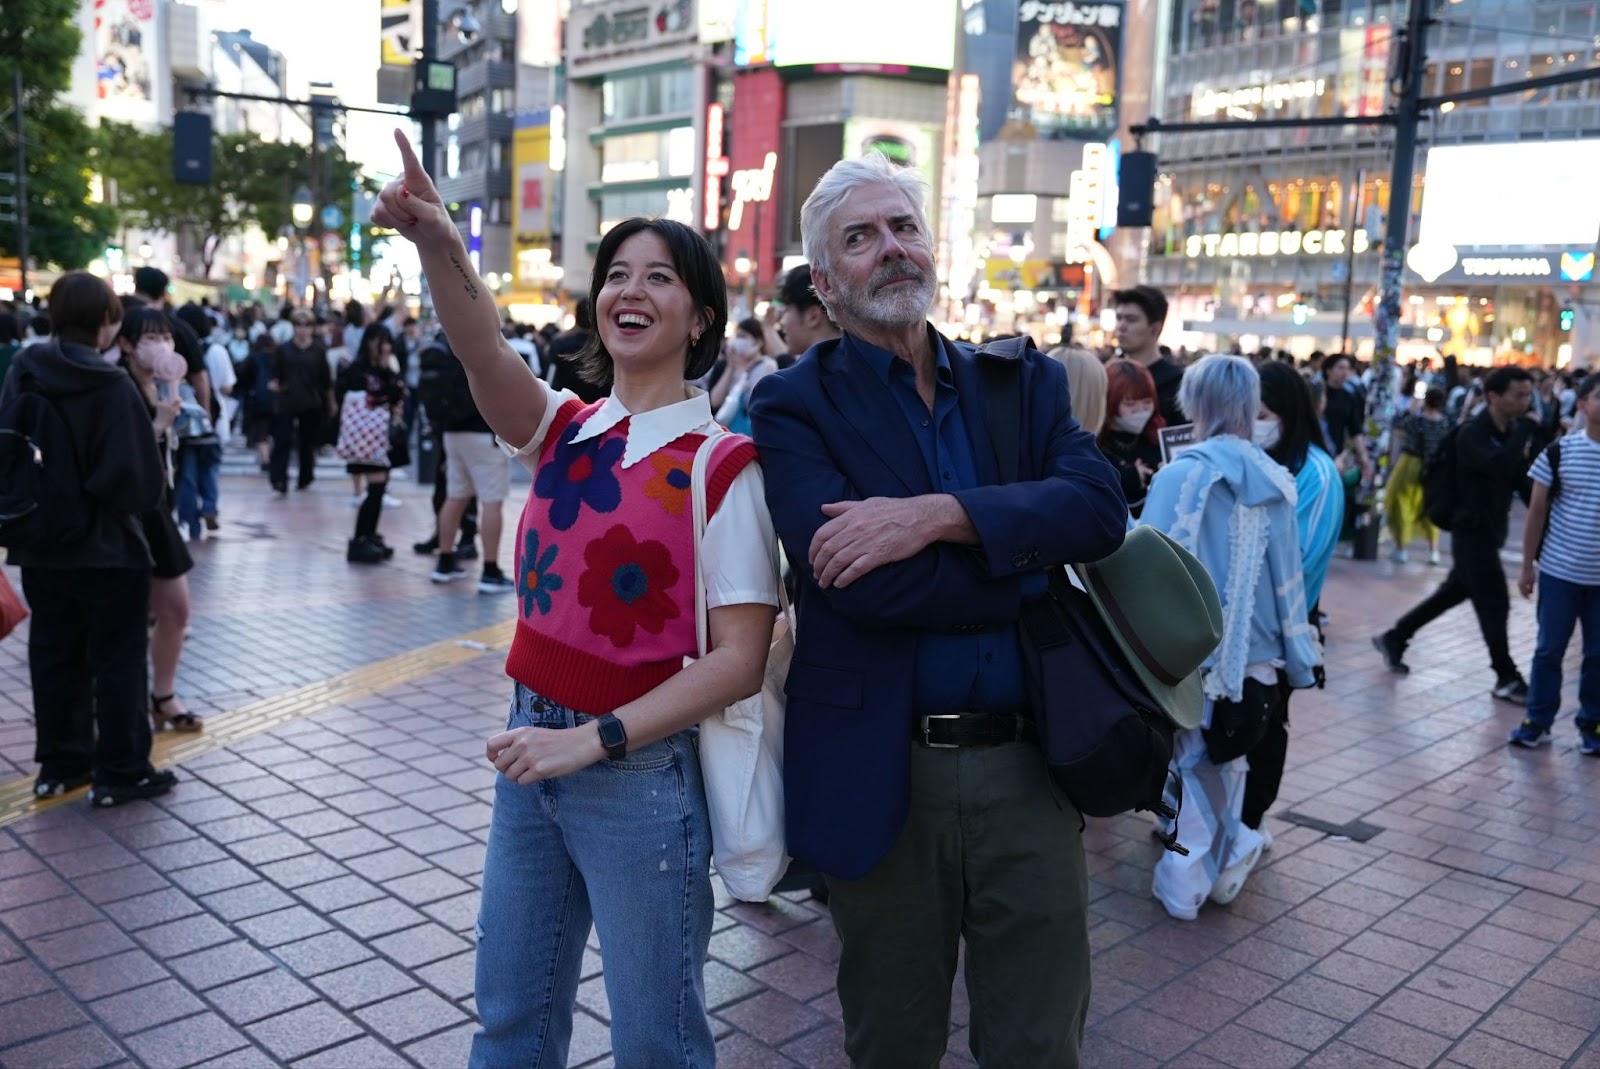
point(828, 429)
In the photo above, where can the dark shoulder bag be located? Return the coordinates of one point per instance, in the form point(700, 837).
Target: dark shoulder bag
point(1106, 741)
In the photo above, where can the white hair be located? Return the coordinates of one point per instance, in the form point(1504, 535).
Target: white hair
point(1221, 395)
point(844, 178)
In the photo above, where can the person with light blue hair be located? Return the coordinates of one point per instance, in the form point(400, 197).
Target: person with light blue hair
point(1224, 500)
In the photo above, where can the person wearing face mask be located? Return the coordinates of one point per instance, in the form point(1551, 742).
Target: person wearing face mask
point(1224, 500)
point(1288, 430)
point(148, 355)
point(87, 642)
point(747, 364)
point(1130, 437)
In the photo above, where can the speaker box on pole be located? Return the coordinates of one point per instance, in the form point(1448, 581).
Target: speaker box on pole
point(191, 147)
point(1136, 188)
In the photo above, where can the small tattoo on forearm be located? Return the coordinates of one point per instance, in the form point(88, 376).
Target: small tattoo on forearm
point(461, 269)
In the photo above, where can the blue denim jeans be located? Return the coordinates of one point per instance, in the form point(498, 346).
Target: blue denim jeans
point(1562, 605)
point(198, 466)
point(625, 845)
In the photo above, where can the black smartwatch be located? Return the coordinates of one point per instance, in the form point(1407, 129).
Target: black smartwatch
point(613, 736)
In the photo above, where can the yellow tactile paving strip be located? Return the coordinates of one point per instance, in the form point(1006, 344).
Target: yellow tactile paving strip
point(235, 725)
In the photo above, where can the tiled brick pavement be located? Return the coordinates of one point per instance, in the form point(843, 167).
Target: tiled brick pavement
point(306, 896)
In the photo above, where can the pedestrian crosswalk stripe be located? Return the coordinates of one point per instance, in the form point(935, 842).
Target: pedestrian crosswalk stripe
point(235, 725)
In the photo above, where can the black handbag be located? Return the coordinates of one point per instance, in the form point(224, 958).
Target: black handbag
point(1106, 741)
point(1236, 726)
point(399, 446)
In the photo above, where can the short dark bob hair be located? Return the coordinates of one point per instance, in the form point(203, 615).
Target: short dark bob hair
point(141, 319)
point(695, 263)
point(80, 304)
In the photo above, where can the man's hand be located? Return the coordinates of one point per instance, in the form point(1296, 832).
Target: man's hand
point(411, 204)
point(528, 755)
point(863, 535)
point(1525, 580)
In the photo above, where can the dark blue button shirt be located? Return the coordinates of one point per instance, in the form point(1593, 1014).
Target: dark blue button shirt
point(978, 671)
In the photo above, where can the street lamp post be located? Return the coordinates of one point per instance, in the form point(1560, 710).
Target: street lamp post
point(301, 211)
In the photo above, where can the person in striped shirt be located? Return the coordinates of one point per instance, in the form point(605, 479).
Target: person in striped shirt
point(1563, 534)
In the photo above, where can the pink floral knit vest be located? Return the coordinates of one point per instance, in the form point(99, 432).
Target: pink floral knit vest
point(605, 564)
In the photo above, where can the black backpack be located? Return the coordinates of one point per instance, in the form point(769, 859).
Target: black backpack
point(1115, 756)
point(443, 389)
point(1439, 483)
point(42, 501)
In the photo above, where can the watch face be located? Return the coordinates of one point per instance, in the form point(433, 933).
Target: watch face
point(613, 736)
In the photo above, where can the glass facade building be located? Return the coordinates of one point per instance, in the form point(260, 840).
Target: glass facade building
point(1273, 234)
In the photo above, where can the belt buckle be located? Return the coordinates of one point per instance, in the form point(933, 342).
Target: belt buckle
point(928, 742)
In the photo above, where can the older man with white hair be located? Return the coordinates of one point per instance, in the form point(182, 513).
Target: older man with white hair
point(913, 774)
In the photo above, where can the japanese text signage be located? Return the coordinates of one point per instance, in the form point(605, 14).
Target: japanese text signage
point(1065, 72)
point(630, 25)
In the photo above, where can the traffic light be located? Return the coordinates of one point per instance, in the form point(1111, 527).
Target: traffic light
point(1567, 318)
point(1302, 312)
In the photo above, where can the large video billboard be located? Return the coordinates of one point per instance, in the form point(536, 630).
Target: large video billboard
point(1065, 74)
point(129, 68)
point(844, 33)
point(1517, 195)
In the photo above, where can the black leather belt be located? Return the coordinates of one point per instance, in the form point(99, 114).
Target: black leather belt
point(948, 731)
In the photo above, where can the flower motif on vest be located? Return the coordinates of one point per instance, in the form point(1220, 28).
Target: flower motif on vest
point(627, 585)
point(670, 485)
point(580, 474)
point(537, 582)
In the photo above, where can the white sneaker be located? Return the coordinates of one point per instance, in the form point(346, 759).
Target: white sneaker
point(355, 501)
point(1401, 556)
point(1433, 557)
point(1186, 912)
point(391, 502)
point(1231, 881)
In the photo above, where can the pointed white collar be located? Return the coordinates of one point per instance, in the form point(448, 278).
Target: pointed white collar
point(649, 431)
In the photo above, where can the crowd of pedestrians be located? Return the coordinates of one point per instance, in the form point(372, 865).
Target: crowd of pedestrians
point(847, 451)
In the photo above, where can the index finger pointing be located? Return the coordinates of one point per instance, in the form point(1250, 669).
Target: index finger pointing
point(413, 167)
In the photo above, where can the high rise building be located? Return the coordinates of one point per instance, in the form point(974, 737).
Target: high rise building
point(474, 169)
point(1273, 236)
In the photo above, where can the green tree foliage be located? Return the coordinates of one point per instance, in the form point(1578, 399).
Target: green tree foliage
point(253, 184)
point(65, 228)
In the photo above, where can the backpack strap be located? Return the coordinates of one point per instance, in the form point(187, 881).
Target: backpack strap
point(1554, 449)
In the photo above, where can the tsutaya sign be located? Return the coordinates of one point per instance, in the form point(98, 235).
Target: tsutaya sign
point(1276, 243)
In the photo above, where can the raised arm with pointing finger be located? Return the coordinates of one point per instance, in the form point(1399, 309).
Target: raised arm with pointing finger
point(504, 389)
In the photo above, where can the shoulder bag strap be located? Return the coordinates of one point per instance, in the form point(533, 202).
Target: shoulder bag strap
point(1002, 406)
point(697, 492)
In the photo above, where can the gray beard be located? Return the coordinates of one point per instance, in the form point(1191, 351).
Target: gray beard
point(901, 307)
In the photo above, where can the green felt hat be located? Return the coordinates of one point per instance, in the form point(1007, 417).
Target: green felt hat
point(1162, 608)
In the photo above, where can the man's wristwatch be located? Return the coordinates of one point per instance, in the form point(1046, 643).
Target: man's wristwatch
point(613, 736)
